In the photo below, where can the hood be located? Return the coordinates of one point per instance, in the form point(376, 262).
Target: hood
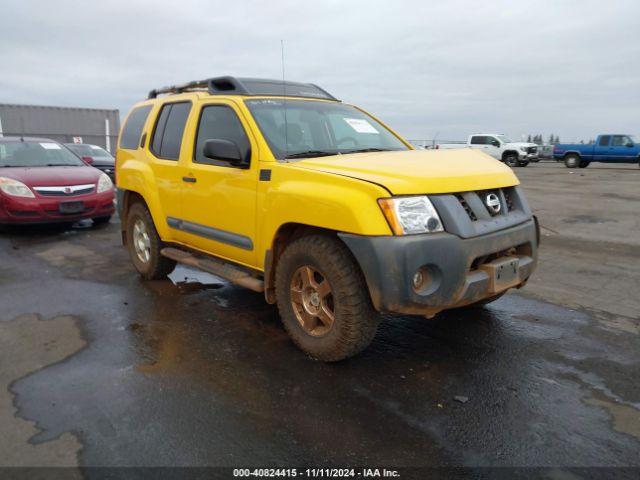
point(52, 176)
point(522, 144)
point(419, 171)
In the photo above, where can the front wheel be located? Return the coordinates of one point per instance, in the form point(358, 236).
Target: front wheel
point(572, 161)
point(144, 244)
point(523, 163)
point(323, 299)
point(511, 160)
point(583, 164)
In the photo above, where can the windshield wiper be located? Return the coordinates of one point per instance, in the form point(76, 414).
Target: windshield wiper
point(311, 153)
point(60, 165)
point(373, 149)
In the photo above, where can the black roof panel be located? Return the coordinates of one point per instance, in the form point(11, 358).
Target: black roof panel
point(249, 86)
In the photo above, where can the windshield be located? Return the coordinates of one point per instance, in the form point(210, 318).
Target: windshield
point(504, 138)
point(319, 128)
point(85, 150)
point(36, 154)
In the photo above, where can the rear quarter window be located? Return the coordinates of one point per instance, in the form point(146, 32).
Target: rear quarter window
point(130, 138)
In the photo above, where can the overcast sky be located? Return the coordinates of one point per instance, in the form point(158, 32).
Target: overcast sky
point(446, 68)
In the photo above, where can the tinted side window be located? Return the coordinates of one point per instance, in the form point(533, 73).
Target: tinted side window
point(167, 137)
point(604, 140)
point(477, 140)
point(156, 142)
point(220, 122)
point(620, 141)
point(132, 129)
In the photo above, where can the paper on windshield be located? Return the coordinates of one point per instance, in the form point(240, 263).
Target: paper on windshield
point(360, 125)
point(50, 146)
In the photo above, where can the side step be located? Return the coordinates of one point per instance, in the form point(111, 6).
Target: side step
point(220, 268)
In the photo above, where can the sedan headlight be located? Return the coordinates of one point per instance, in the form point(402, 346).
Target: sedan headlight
point(104, 183)
point(15, 188)
point(409, 215)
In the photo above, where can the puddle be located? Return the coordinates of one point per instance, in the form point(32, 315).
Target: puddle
point(626, 419)
point(588, 219)
point(189, 279)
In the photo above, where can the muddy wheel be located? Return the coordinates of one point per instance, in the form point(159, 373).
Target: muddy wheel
point(572, 161)
point(144, 245)
point(511, 159)
point(323, 299)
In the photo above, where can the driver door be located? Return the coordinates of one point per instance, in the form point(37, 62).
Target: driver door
point(491, 149)
point(219, 200)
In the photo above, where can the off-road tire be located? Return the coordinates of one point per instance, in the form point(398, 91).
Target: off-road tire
point(158, 267)
point(511, 159)
point(355, 320)
point(572, 161)
point(583, 164)
point(101, 220)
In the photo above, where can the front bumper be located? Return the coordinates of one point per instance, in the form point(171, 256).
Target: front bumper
point(531, 157)
point(457, 271)
point(18, 210)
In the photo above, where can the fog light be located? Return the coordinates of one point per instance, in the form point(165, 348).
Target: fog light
point(418, 279)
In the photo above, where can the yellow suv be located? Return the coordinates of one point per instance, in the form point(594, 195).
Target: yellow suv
point(283, 189)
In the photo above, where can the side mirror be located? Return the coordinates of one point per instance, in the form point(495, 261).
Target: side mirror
point(225, 151)
point(495, 143)
point(630, 144)
point(87, 160)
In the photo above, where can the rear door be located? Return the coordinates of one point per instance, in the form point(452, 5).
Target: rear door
point(218, 199)
point(601, 149)
point(165, 149)
point(479, 142)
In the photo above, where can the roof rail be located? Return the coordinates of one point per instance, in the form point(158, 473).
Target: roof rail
point(247, 86)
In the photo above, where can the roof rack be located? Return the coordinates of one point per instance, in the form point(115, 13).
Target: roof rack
point(247, 86)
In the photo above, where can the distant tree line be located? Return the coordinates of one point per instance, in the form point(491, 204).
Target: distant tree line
point(552, 140)
point(537, 139)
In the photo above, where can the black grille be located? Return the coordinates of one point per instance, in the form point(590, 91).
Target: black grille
point(532, 149)
point(508, 197)
point(467, 208)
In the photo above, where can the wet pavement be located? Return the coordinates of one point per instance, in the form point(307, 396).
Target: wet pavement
point(99, 368)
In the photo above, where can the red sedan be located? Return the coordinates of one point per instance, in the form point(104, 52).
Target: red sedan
point(43, 182)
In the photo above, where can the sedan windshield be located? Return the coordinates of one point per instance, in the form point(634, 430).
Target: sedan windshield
point(30, 153)
point(84, 150)
point(305, 128)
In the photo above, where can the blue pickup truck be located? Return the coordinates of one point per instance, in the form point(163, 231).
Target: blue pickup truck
point(609, 148)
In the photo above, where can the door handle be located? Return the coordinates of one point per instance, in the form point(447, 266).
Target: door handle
point(189, 179)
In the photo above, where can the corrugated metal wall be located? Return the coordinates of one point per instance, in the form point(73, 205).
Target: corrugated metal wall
point(61, 123)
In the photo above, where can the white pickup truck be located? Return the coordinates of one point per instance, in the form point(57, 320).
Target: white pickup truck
point(514, 154)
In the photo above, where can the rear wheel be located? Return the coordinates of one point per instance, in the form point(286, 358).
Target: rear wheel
point(572, 161)
point(583, 164)
point(323, 299)
point(145, 245)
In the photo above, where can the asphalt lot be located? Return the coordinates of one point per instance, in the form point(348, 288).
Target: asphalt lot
point(98, 368)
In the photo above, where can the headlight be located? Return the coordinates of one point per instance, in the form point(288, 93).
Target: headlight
point(409, 215)
point(523, 149)
point(15, 188)
point(104, 183)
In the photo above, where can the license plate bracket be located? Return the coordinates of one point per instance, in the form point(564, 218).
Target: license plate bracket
point(503, 273)
point(71, 207)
